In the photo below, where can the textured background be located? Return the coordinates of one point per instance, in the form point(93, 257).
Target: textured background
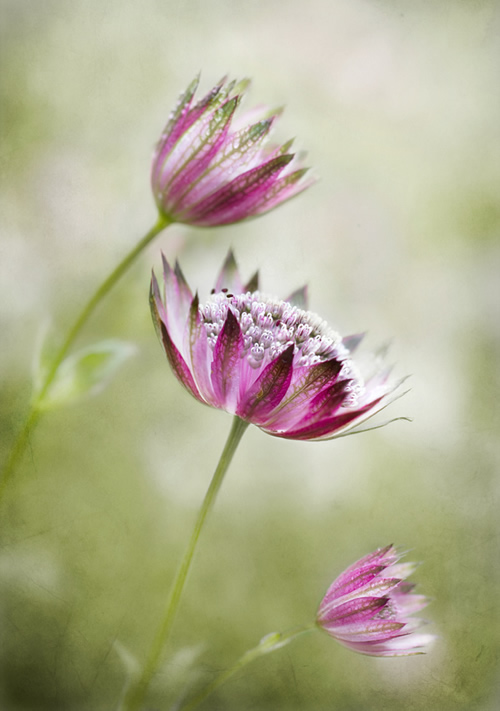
point(397, 104)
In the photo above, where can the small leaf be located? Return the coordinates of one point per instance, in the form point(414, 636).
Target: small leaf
point(85, 373)
point(272, 641)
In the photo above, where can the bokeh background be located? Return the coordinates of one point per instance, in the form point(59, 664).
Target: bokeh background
point(397, 104)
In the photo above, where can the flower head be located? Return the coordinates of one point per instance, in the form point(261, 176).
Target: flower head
point(268, 361)
point(209, 171)
point(368, 607)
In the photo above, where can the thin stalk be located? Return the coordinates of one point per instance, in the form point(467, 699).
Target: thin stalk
point(34, 412)
point(269, 644)
point(136, 693)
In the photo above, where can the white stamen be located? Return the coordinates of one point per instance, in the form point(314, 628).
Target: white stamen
point(269, 326)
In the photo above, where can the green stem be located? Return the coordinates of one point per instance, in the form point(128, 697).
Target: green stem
point(269, 644)
point(34, 412)
point(137, 691)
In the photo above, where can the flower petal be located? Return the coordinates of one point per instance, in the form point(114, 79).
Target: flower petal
point(269, 388)
point(239, 153)
point(177, 362)
point(381, 559)
point(329, 427)
point(229, 277)
point(194, 152)
point(352, 342)
point(163, 162)
point(377, 586)
point(199, 352)
point(237, 199)
point(253, 283)
point(402, 646)
point(178, 298)
point(225, 364)
point(176, 124)
point(285, 188)
point(328, 401)
point(351, 582)
point(299, 298)
point(307, 381)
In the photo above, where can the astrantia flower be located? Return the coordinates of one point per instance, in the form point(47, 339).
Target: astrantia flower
point(268, 361)
point(207, 171)
point(368, 607)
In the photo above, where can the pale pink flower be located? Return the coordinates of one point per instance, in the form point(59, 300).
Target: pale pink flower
point(368, 607)
point(268, 361)
point(209, 171)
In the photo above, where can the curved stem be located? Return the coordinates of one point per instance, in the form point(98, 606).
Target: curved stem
point(137, 691)
point(33, 415)
point(268, 644)
point(19, 447)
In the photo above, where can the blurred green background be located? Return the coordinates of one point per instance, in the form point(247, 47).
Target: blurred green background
point(397, 104)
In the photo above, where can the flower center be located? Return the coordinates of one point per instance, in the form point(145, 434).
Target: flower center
point(269, 326)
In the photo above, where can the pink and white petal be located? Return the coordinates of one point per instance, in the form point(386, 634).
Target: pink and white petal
point(329, 427)
point(352, 342)
point(360, 608)
point(199, 353)
point(178, 299)
point(327, 402)
point(188, 162)
point(178, 364)
point(252, 284)
point(402, 646)
point(163, 165)
point(176, 124)
point(212, 99)
point(157, 307)
point(359, 582)
point(378, 630)
point(299, 298)
point(225, 371)
point(268, 390)
point(401, 570)
point(229, 277)
point(238, 153)
point(257, 113)
point(378, 560)
point(386, 555)
point(364, 413)
point(408, 604)
point(283, 189)
point(378, 587)
point(200, 136)
point(306, 382)
point(236, 200)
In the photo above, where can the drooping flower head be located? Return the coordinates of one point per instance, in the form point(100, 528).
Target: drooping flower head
point(368, 607)
point(208, 170)
point(269, 361)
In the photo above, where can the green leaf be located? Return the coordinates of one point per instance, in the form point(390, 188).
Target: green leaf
point(82, 374)
point(272, 641)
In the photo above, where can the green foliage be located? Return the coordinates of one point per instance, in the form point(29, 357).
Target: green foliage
point(82, 374)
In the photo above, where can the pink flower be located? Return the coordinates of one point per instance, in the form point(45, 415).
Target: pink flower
point(268, 361)
point(206, 172)
point(368, 607)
